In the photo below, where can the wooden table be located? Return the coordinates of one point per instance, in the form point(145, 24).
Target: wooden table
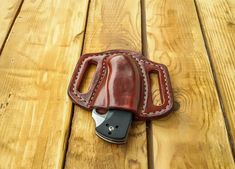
point(41, 42)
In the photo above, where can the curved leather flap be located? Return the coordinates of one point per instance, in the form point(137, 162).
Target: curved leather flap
point(122, 81)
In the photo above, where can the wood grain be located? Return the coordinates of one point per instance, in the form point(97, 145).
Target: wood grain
point(35, 69)
point(111, 24)
point(218, 23)
point(8, 11)
point(194, 135)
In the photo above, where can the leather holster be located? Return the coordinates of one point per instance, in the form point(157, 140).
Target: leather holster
point(121, 81)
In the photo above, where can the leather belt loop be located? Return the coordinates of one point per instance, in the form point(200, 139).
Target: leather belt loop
point(122, 81)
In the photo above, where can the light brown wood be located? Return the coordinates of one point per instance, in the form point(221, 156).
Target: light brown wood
point(8, 10)
point(111, 24)
point(218, 22)
point(35, 69)
point(194, 135)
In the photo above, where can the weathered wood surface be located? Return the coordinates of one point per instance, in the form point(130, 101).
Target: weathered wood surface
point(35, 68)
point(218, 23)
point(8, 11)
point(111, 24)
point(43, 47)
point(194, 135)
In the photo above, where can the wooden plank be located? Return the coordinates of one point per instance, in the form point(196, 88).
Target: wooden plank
point(8, 11)
point(218, 23)
point(111, 24)
point(194, 135)
point(35, 69)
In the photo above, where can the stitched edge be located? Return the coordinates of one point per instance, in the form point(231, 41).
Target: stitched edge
point(145, 83)
point(98, 83)
point(167, 88)
point(101, 77)
point(138, 60)
point(76, 79)
point(75, 82)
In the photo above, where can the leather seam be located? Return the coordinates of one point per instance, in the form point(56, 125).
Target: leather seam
point(138, 60)
point(98, 83)
point(145, 91)
point(101, 76)
point(76, 79)
point(145, 86)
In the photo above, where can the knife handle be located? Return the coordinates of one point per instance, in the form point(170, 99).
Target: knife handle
point(115, 127)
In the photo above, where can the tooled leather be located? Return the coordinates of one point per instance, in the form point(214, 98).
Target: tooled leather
point(144, 111)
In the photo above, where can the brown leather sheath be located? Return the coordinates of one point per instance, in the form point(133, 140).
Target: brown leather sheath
point(122, 81)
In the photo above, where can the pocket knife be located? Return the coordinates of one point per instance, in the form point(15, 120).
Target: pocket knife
point(113, 126)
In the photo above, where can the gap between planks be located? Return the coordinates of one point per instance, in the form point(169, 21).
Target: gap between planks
point(228, 129)
point(45, 143)
point(145, 53)
point(73, 105)
point(100, 40)
point(66, 141)
point(11, 25)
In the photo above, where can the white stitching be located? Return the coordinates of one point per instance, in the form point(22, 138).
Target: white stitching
point(138, 60)
point(145, 96)
point(145, 86)
point(98, 83)
point(76, 79)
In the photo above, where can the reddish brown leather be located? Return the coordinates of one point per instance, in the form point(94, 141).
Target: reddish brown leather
point(122, 81)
